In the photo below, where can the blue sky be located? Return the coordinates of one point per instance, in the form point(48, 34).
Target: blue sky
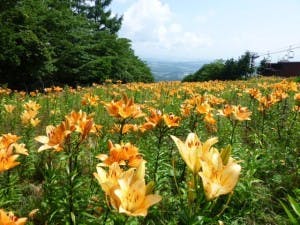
point(210, 29)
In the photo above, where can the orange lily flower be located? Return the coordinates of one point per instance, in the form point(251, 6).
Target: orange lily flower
point(9, 108)
point(213, 100)
point(47, 90)
point(8, 218)
point(28, 115)
point(89, 99)
point(297, 97)
point(241, 113)
point(265, 102)
point(193, 150)
point(126, 128)
point(123, 154)
point(109, 180)
point(155, 117)
point(226, 111)
point(235, 112)
point(254, 93)
point(153, 120)
point(185, 110)
point(296, 108)
point(7, 139)
point(81, 123)
point(297, 102)
point(146, 126)
point(280, 94)
point(204, 108)
point(124, 108)
point(32, 105)
point(34, 121)
point(132, 193)
point(57, 89)
point(209, 118)
point(218, 177)
point(55, 137)
point(127, 190)
point(5, 91)
point(9, 151)
point(171, 120)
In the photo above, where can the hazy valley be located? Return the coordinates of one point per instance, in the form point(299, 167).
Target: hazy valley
point(173, 70)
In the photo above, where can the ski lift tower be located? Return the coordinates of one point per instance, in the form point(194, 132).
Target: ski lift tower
point(268, 58)
point(253, 56)
point(290, 53)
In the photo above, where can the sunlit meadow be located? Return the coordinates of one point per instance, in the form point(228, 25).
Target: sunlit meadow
point(162, 153)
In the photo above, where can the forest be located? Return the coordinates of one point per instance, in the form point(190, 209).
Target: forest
point(64, 42)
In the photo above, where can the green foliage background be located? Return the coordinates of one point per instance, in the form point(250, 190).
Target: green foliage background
point(224, 70)
point(51, 42)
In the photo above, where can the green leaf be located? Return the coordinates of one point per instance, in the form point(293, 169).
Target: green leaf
point(225, 154)
point(294, 205)
point(88, 215)
point(292, 219)
point(73, 218)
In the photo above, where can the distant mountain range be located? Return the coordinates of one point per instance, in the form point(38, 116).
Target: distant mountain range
point(169, 70)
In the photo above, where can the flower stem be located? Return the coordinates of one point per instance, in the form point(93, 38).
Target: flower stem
point(121, 130)
point(234, 124)
point(289, 131)
point(70, 194)
point(226, 205)
point(160, 138)
point(262, 126)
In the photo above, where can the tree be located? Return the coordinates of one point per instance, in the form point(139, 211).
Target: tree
point(231, 70)
point(5, 5)
point(98, 13)
point(245, 66)
point(211, 71)
point(102, 17)
point(263, 67)
point(51, 42)
point(79, 6)
point(24, 55)
point(219, 70)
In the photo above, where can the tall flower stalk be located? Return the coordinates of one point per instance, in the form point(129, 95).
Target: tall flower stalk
point(124, 111)
point(161, 124)
point(68, 138)
point(124, 183)
point(235, 114)
point(10, 150)
point(218, 171)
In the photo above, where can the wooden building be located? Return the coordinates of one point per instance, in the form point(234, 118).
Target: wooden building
point(283, 69)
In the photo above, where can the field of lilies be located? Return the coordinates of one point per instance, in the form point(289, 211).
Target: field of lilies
point(162, 153)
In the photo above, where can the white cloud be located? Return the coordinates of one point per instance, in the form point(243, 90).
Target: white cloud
point(153, 29)
point(206, 17)
point(121, 1)
point(145, 16)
